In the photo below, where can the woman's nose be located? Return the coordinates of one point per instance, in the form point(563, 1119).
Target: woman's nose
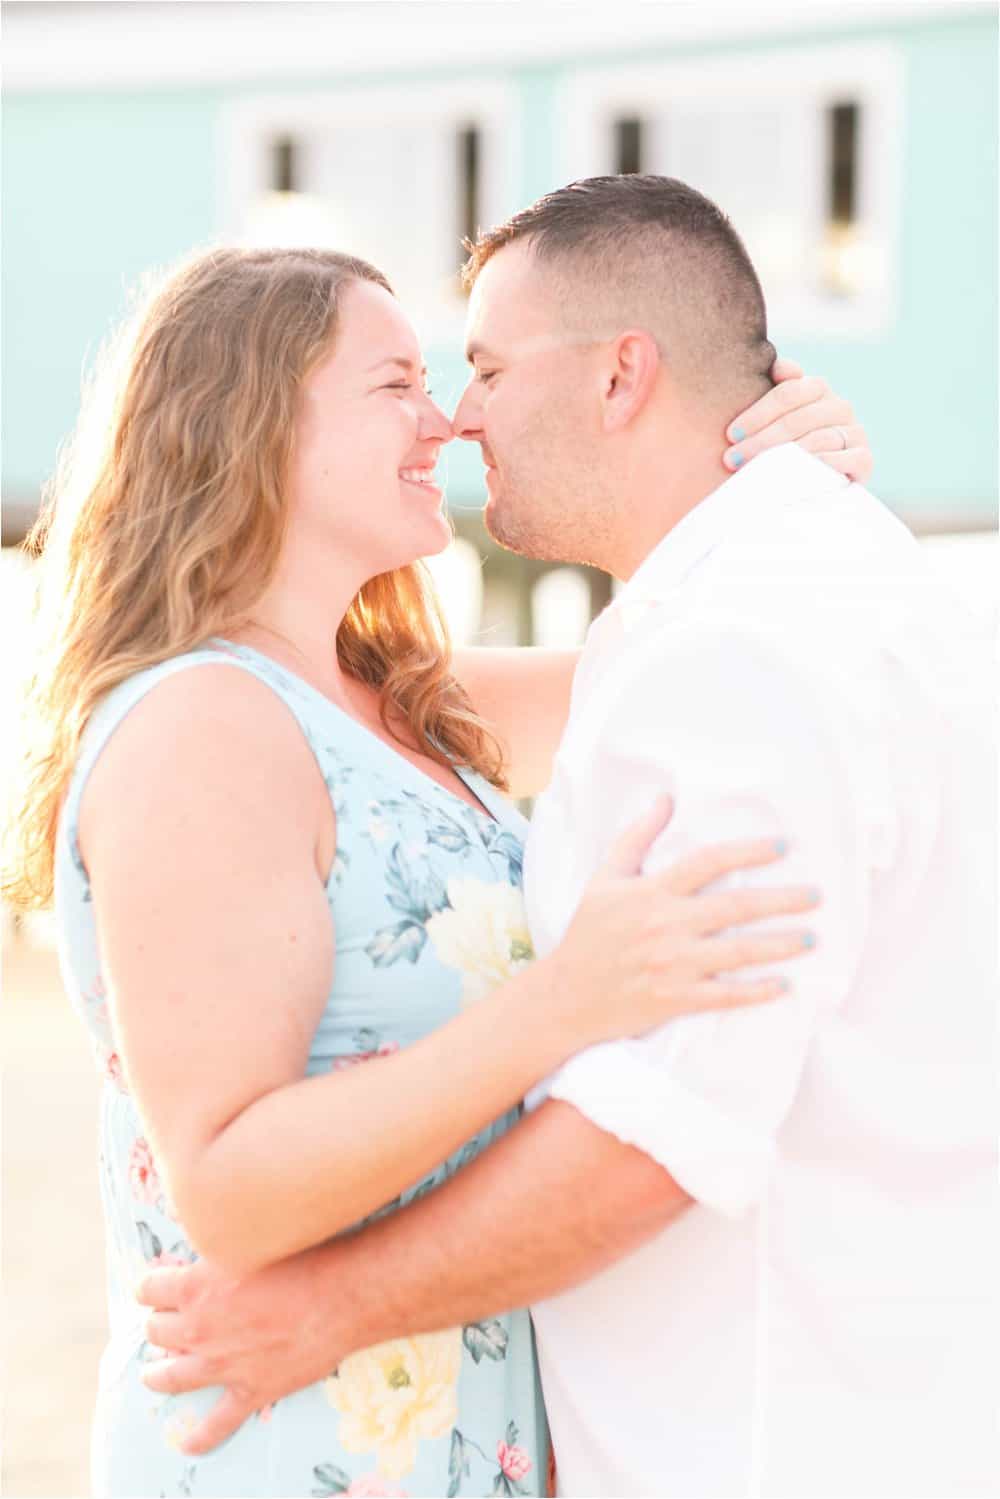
point(436, 424)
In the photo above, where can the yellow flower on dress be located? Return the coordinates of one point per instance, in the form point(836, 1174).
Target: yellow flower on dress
point(484, 934)
point(395, 1394)
point(181, 1426)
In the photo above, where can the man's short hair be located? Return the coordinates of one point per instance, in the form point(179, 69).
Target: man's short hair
point(650, 252)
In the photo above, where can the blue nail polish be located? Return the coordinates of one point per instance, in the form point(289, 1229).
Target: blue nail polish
point(780, 846)
point(808, 940)
point(737, 434)
point(736, 458)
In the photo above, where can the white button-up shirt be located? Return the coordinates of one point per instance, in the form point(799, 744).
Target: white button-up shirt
point(820, 1321)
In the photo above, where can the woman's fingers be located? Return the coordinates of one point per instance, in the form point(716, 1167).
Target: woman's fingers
point(775, 405)
point(733, 994)
point(826, 441)
point(856, 462)
point(631, 847)
point(717, 913)
point(828, 414)
point(723, 954)
point(693, 872)
point(785, 369)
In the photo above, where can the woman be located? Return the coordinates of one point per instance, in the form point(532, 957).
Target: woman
point(325, 873)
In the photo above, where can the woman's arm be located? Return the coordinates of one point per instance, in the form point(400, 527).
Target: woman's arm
point(207, 855)
point(523, 693)
point(208, 863)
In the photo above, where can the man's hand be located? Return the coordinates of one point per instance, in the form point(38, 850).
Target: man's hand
point(802, 409)
point(261, 1336)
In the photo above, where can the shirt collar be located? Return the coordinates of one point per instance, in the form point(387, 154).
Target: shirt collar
point(769, 482)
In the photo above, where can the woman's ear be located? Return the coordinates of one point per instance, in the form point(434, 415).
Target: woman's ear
point(633, 365)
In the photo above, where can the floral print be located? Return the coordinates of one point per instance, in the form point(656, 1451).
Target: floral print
point(393, 1395)
point(143, 1176)
point(483, 933)
point(425, 897)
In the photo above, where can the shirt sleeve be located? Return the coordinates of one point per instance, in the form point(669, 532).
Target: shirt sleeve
point(751, 742)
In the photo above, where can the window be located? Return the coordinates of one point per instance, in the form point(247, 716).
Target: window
point(469, 221)
point(396, 175)
point(284, 177)
point(840, 272)
point(628, 146)
point(800, 148)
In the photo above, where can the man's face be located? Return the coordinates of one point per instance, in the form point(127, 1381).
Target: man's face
point(533, 407)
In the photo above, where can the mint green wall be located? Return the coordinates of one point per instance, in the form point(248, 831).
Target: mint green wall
point(98, 187)
point(928, 391)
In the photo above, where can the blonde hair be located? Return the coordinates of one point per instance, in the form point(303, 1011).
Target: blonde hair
point(166, 517)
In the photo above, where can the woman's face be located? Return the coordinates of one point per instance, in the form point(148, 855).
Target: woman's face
point(367, 438)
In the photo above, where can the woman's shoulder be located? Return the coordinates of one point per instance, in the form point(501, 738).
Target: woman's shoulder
point(218, 730)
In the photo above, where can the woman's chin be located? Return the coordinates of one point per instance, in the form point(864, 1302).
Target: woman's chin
point(440, 536)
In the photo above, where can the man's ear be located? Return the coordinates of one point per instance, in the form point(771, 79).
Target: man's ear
point(633, 365)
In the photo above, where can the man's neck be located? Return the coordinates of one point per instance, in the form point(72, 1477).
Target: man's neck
point(657, 507)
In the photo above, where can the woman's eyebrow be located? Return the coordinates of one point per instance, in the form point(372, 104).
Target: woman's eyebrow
point(404, 363)
point(473, 351)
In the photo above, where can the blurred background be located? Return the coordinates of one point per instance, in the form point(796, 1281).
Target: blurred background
point(854, 146)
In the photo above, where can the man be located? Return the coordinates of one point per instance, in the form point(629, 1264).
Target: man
point(779, 1222)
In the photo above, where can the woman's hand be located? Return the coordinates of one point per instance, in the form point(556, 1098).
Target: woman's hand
point(640, 951)
point(803, 409)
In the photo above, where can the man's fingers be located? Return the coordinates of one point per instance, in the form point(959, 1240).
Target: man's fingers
point(631, 847)
point(225, 1417)
point(713, 862)
point(160, 1288)
point(166, 1330)
point(177, 1376)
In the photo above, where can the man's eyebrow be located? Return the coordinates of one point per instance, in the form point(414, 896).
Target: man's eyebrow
point(399, 359)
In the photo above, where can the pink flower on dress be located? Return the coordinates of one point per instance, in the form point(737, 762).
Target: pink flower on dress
point(385, 1050)
point(114, 1072)
point(514, 1461)
point(373, 1486)
point(164, 1259)
point(142, 1172)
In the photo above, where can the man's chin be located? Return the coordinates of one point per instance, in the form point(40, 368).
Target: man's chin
point(504, 530)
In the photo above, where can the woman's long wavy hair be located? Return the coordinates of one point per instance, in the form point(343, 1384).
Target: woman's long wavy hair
point(167, 514)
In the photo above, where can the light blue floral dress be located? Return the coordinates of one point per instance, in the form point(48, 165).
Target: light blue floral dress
point(426, 897)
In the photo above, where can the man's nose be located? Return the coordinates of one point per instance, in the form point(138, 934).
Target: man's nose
point(468, 419)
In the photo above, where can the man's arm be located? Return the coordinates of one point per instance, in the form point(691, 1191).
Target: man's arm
point(549, 1205)
point(552, 1203)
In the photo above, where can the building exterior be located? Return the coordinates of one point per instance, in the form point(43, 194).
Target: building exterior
point(854, 145)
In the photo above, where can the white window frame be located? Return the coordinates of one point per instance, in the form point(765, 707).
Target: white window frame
point(870, 73)
point(248, 125)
